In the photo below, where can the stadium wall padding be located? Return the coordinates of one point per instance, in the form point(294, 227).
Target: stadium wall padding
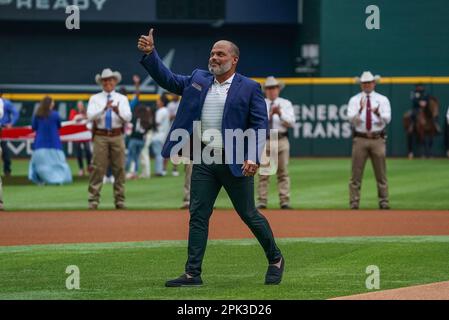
point(411, 41)
point(321, 127)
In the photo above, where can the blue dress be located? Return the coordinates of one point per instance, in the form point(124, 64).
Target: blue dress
point(48, 164)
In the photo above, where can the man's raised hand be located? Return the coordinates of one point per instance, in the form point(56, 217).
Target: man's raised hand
point(146, 43)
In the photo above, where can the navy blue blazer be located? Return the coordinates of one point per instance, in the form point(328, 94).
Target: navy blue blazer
point(244, 108)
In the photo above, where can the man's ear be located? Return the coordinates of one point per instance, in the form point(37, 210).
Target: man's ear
point(236, 60)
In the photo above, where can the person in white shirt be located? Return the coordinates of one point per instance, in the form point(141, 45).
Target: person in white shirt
point(281, 117)
point(1, 184)
point(172, 108)
point(160, 134)
point(369, 112)
point(109, 111)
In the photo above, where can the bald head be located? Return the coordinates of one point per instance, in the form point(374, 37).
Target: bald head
point(223, 59)
point(232, 47)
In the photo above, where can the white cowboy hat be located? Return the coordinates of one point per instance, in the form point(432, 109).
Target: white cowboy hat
point(108, 73)
point(273, 82)
point(367, 76)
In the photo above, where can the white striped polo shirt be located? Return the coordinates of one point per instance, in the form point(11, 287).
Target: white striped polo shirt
point(212, 113)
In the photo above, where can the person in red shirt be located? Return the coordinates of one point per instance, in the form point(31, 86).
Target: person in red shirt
point(79, 115)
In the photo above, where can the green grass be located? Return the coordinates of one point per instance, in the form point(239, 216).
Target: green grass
point(315, 184)
point(233, 269)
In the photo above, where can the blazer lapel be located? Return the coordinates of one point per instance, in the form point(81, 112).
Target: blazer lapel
point(204, 94)
point(232, 93)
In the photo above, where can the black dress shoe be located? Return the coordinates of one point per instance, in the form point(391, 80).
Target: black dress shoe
point(286, 207)
point(261, 206)
point(274, 274)
point(184, 281)
point(384, 207)
point(354, 207)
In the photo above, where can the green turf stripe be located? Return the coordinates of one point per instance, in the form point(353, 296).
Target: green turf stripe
point(414, 185)
point(240, 242)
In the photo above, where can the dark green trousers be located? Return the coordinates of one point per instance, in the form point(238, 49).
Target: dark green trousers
point(206, 183)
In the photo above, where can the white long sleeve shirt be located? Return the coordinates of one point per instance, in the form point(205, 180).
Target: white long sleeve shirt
point(287, 114)
point(378, 102)
point(96, 109)
point(162, 119)
point(172, 108)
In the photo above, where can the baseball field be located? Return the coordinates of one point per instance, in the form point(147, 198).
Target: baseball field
point(129, 254)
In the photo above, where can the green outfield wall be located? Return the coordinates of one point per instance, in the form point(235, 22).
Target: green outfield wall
point(322, 128)
point(412, 39)
point(320, 105)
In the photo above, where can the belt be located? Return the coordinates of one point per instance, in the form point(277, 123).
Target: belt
point(280, 135)
point(370, 135)
point(109, 133)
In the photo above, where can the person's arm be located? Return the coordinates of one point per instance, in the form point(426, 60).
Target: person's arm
point(156, 68)
point(354, 110)
point(94, 110)
point(11, 111)
point(162, 75)
point(123, 110)
point(385, 111)
point(288, 115)
point(14, 114)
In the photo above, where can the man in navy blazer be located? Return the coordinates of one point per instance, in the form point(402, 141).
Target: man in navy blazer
point(222, 101)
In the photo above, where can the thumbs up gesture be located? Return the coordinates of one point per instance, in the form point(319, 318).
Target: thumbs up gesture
point(146, 43)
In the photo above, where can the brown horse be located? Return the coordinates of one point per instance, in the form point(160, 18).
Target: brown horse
point(424, 129)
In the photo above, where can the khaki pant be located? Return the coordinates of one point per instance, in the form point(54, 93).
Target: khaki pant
point(187, 180)
point(107, 151)
point(375, 149)
point(283, 152)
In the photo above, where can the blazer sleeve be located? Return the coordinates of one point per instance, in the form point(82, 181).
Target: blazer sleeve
point(258, 120)
point(162, 75)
